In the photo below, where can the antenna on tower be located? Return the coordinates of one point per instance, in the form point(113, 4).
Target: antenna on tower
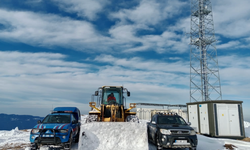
point(204, 70)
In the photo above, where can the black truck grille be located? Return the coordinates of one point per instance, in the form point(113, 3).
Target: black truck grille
point(48, 140)
point(179, 131)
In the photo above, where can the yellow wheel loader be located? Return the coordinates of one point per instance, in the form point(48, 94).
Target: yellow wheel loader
point(110, 106)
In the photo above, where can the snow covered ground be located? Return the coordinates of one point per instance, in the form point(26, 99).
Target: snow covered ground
point(108, 136)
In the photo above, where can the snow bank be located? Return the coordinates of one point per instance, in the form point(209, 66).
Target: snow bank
point(246, 124)
point(247, 128)
point(206, 143)
point(114, 135)
point(118, 136)
point(14, 138)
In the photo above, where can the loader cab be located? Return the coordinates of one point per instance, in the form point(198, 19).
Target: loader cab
point(104, 110)
point(117, 92)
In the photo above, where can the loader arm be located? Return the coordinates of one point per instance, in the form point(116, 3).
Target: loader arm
point(131, 106)
point(93, 104)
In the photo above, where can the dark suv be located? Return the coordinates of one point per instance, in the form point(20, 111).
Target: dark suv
point(171, 131)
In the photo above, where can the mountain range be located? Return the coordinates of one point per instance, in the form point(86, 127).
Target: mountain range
point(11, 121)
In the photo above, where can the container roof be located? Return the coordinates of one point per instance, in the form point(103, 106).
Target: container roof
point(217, 101)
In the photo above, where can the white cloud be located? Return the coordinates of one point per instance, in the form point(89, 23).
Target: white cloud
point(45, 79)
point(49, 30)
point(146, 65)
point(229, 45)
point(232, 17)
point(146, 16)
point(234, 74)
point(149, 12)
point(83, 8)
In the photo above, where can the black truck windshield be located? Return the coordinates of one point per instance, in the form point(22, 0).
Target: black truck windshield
point(57, 119)
point(171, 120)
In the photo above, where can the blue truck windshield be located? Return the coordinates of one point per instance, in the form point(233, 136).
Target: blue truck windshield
point(57, 119)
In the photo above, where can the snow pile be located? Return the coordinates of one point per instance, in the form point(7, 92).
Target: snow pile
point(207, 143)
point(114, 135)
point(83, 118)
point(14, 138)
point(246, 124)
point(247, 129)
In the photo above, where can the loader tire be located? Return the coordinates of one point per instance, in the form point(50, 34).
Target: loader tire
point(132, 118)
point(91, 118)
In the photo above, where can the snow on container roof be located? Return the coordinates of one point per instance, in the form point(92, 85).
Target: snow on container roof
point(218, 101)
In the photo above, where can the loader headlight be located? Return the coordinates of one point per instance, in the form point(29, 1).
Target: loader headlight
point(64, 131)
point(34, 131)
point(192, 132)
point(164, 131)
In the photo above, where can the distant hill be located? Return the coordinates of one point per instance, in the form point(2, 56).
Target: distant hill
point(8, 122)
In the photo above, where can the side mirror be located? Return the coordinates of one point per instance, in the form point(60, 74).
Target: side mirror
point(128, 93)
point(39, 121)
point(189, 123)
point(74, 122)
point(96, 93)
point(153, 122)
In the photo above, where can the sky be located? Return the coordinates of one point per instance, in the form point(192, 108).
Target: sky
point(59, 52)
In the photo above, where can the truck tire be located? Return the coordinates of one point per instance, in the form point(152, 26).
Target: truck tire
point(77, 137)
point(69, 143)
point(159, 147)
point(34, 147)
point(132, 118)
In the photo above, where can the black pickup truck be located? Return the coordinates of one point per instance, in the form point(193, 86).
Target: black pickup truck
point(171, 131)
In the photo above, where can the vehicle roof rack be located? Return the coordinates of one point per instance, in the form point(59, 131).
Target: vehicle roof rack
point(167, 114)
point(61, 112)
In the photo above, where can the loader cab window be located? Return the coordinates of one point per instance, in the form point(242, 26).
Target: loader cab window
point(117, 92)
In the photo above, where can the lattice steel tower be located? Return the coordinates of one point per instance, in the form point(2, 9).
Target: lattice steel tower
point(204, 70)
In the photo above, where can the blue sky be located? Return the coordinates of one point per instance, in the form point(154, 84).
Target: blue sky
point(58, 52)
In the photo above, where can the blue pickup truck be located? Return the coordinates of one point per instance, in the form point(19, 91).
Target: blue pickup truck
point(58, 129)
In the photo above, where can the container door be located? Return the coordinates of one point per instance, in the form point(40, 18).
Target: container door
point(204, 122)
point(228, 120)
point(223, 119)
point(234, 119)
point(193, 117)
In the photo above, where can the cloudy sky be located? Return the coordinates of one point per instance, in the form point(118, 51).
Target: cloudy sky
point(58, 52)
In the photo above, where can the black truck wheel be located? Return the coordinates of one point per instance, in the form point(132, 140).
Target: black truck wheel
point(34, 146)
point(77, 137)
point(69, 143)
point(159, 147)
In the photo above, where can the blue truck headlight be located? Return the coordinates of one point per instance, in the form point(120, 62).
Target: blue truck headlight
point(164, 131)
point(33, 137)
point(192, 132)
point(34, 131)
point(64, 131)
